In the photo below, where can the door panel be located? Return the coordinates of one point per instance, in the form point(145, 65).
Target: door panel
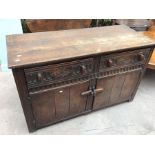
point(62, 102)
point(129, 85)
point(78, 102)
point(43, 108)
point(116, 88)
point(58, 104)
point(102, 99)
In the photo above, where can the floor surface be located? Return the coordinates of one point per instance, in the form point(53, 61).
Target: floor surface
point(136, 117)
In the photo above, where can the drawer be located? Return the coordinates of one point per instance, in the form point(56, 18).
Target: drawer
point(44, 75)
point(124, 59)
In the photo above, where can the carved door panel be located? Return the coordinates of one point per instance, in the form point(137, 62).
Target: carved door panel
point(58, 104)
point(116, 89)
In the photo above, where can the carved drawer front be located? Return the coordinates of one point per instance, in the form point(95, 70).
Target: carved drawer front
point(45, 75)
point(121, 60)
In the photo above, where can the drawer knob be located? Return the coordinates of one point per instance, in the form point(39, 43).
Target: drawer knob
point(83, 69)
point(39, 76)
point(109, 62)
point(141, 57)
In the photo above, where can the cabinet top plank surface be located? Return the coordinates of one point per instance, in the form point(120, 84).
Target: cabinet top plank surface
point(38, 48)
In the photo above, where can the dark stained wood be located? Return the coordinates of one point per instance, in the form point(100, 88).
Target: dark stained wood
point(144, 67)
point(40, 76)
point(116, 89)
point(77, 101)
point(43, 108)
point(24, 98)
point(62, 102)
point(130, 81)
point(127, 59)
point(51, 92)
point(43, 47)
point(57, 104)
point(40, 25)
point(102, 99)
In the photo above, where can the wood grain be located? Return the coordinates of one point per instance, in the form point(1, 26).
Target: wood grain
point(24, 98)
point(130, 81)
point(45, 47)
point(115, 96)
point(62, 102)
point(43, 108)
point(102, 99)
point(78, 102)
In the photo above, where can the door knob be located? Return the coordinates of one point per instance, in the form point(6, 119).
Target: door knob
point(39, 76)
point(83, 69)
point(109, 62)
point(141, 57)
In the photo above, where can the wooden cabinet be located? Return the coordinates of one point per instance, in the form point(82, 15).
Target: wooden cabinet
point(60, 75)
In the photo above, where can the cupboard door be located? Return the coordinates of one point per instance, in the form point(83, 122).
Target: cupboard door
point(43, 106)
point(116, 89)
point(58, 104)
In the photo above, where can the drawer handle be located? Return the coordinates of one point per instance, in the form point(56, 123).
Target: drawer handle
point(83, 69)
point(86, 92)
point(109, 62)
point(99, 90)
point(39, 76)
point(141, 57)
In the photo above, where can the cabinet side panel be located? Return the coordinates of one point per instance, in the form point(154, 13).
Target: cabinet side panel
point(23, 94)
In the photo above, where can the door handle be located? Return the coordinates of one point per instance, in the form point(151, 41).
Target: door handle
point(110, 63)
point(86, 92)
point(99, 90)
point(92, 92)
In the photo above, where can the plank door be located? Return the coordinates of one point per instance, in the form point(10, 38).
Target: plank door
point(116, 89)
point(58, 104)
